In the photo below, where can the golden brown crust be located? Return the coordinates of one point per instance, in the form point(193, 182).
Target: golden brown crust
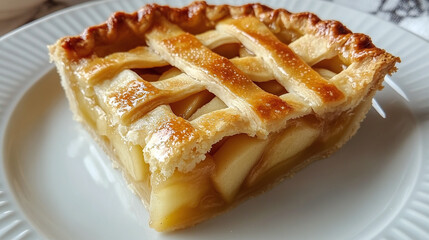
point(200, 16)
point(264, 112)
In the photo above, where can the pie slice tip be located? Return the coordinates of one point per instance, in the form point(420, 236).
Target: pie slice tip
point(204, 106)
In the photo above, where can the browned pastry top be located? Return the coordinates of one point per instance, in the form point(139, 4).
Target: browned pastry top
point(199, 17)
point(286, 48)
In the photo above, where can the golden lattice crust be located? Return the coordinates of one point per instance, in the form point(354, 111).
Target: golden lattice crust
point(198, 17)
point(126, 31)
point(292, 78)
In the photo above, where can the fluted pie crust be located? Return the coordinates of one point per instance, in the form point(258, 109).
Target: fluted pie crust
point(204, 106)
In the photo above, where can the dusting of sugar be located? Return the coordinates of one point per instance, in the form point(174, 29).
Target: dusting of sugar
point(128, 97)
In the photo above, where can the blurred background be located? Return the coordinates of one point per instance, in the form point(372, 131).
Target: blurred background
point(412, 15)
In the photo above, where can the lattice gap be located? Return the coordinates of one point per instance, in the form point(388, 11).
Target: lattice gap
point(156, 73)
point(229, 50)
point(287, 36)
point(333, 64)
point(237, 50)
point(272, 87)
point(188, 106)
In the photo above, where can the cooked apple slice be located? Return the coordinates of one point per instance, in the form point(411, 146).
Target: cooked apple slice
point(272, 87)
point(234, 160)
point(131, 157)
point(325, 73)
point(188, 106)
point(244, 52)
point(172, 72)
point(228, 50)
point(286, 145)
point(213, 105)
point(173, 198)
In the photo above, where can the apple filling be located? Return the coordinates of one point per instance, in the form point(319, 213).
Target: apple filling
point(236, 167)
point(241, 167)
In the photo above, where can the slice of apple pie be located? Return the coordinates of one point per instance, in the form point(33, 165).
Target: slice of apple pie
point(204, 106)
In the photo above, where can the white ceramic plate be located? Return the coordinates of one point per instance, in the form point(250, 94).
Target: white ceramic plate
point(56, 184)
